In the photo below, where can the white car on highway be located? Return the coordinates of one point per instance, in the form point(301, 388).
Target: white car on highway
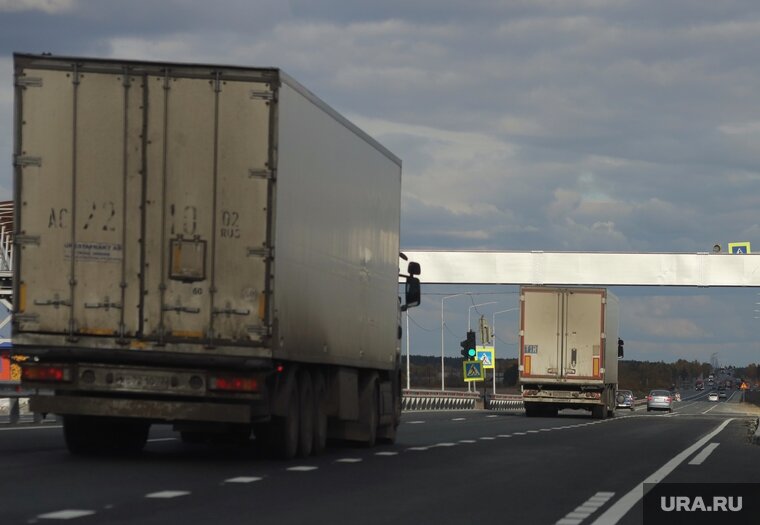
point(712, 396)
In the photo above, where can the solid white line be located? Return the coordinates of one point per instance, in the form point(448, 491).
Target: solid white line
point(624, 504)
point(243, 479)
point(302, 469)
point(166, 494)
point(31, 428)
point(66, 514)
point(706, 411)
point(702, 456)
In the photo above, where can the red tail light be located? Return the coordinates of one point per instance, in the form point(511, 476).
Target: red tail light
point(50, 373)
point(234, 384)
point(649, 398)
point(669, 399)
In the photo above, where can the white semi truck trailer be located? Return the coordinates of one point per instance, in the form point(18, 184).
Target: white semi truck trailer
point(568, 350)
point(208, 246)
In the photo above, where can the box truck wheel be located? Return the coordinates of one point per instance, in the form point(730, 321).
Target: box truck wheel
point(320, 413)
point(369, 410)
point(306, 414)
point(598, 411)
point(284, 429)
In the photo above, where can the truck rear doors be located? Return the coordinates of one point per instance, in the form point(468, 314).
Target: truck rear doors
point(142, 198)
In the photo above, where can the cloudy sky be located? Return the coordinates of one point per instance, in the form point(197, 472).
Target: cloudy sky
point(584, 125)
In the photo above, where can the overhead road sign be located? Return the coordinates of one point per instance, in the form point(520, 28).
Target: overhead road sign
point(588, 269)
point(485, 356)
point(739, 248)
point(473, 371)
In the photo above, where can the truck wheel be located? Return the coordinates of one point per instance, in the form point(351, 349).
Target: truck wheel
point(368, 411)
point(284, 429)
point(320, 414)
point(306, 414)
point(598, 411)
point(530, 410)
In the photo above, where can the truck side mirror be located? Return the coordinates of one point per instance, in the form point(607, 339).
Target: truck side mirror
point(413, 293)
point(620, 348)
point(414, 268)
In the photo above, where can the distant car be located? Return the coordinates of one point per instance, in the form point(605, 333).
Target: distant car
point(712, 396)
point(722, 394)
point(624, 399)
point(660, 400)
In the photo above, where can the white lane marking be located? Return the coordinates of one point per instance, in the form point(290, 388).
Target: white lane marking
point(30, 428)
point(467, 441)
point(158, 440)
point(545, 429)
point(459, 419)
point(386, 453)
point(621, 507)
point(444, 445)
point(349, 460)
point(706, 411)
point(505, 435)
point(66, 514)
point(418, 448)
point(493, 415)
point(167, 494)
point(520, 434)
point(487, 438)
point(702, 456)
point(243, 479)
point(302, 468)
point(415, 422)
point(532, 431)
point(586, 509)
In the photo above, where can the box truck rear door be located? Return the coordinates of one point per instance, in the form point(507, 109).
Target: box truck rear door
point(583, 328)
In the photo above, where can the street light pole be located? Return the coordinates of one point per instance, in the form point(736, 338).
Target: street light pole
point(443, 367)
point(493, 329)
point(408, 377)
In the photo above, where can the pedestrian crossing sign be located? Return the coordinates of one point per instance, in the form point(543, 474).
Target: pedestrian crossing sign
point(739, 248)
point(473, 371)
point(485, 355)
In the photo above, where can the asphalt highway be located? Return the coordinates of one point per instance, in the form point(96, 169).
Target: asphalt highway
point(447, 467)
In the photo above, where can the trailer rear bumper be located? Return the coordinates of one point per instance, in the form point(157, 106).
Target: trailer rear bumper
point(154, 410)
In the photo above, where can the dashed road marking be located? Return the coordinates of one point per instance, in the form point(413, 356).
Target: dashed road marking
point(167, 494)
point(349, 460)
point(520, 434)
point(418, 448)
point(302, 468)
point(702, 456)
point(586, 509)
point(68, 514)
point(386, 453)
point(487, 438)
point(415, 422)
point(459, 419)
point(159, 440)
point(467, 441)
point(505, 435)
point(243, 479)
point(492, 415)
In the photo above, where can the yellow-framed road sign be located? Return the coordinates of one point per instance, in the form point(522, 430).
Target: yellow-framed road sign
point(485, 355)
point(473, 370)
point(739, 248)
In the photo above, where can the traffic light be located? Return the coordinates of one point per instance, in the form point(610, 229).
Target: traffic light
point(468, 346)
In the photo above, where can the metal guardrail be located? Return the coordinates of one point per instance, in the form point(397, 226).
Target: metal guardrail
point(455, 400)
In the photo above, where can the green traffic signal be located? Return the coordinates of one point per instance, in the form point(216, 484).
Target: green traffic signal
point(471, 353)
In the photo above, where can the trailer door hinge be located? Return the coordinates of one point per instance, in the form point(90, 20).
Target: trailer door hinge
point(27, 239)
point(22, 161)
point(259, 252)
point(260, 174)
point(261, 95)
point(28, 81)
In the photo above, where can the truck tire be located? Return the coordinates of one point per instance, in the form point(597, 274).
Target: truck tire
point(369, 410)
point(306, 414)
point(320, 414)
point(284, 429)
point(530, 410)
point(598, 411)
